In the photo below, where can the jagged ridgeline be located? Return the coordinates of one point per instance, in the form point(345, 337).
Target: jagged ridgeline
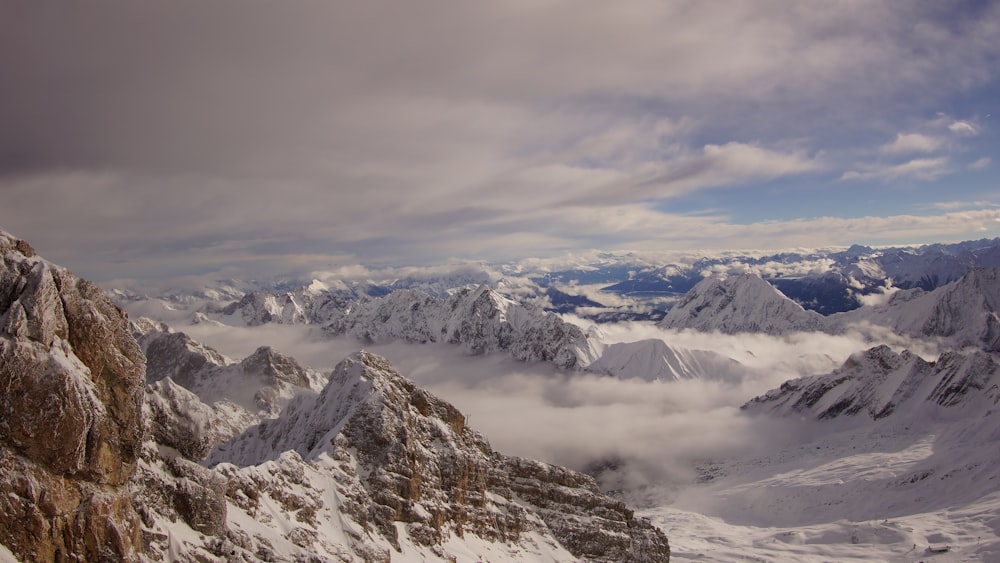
point(104, 460)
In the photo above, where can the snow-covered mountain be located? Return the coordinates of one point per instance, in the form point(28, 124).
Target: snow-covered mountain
point(826, 281)
point(744, 303)
point(961, 313)
point(483, 321)
point(262, 383)
point(370, 468)
point(480, 319)
point(823, 280)
point(380, 467)
point(656, 360)
point(879, 382)
point(889, 457)
point(965, 312)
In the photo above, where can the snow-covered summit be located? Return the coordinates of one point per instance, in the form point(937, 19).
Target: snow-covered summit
point(744, 303)
point(879, 382)
point(656, 360)
point(408, 475)
point(965, 312)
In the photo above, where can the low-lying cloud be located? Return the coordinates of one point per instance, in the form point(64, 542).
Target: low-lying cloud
point(643, 437)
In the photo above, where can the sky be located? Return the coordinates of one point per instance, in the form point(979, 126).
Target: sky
point(148, 140)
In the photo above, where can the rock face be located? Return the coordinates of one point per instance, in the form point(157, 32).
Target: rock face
point(411, 474)
point(260, 385)
point(70, 415)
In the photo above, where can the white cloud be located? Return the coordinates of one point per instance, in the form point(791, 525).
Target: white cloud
point(911, 143)
point(973, 205)
point(578, 419)
point(965, 128)
point(981, 164)
point(925, 169)
point(271, 137)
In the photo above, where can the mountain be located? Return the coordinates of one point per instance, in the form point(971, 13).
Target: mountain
point(483, 321)
point(261, 384)
point(964, 312)
point(825, 281)
point(744, 303)
point(371, 468)
point(878, 383)
point(655, 360)
point(70, 415)
point(480, 319)
point(410, 476)
point(871, 384)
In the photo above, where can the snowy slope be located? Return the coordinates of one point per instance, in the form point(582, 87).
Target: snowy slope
point(195, 390)
point(744, 303)
point(656, 360)
point(964, 312)
point(888, 458)
point(374, 466)
point(878, 383)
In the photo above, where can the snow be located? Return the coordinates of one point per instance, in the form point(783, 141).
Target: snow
point(913, 471)
point(851, 499)
point(744, 303)
point(6, 556)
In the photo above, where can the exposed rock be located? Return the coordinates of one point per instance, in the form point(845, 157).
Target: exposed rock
point(70, 417)
point(172, 487)
point(408, 470)
point(259, 386)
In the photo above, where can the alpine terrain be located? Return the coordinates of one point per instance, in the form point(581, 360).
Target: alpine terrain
point(164, 449)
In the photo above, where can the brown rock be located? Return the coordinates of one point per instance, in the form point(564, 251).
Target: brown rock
point(70, 417)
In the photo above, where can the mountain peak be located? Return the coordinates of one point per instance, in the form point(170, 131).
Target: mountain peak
point(743, 303)
point(270, 363)
point(411, 472)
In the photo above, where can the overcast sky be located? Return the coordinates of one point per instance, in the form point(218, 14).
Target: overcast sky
point(154, 139)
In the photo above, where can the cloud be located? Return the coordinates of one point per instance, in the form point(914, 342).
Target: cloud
point(579, 419)
point(925, 169)
point(973, 205)
point(911, 143)
point(178, 138)
point(965, 128)
point(981, 163)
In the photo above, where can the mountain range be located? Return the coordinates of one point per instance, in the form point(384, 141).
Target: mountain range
point(103, 439)
point(130, 440)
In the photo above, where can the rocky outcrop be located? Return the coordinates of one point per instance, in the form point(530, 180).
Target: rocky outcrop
point(410, 472)
point(259, 385)
point(70, 415)
point(257, 308)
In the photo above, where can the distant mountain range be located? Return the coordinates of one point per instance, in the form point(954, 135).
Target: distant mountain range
point(961, 313)
point(643, 288)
